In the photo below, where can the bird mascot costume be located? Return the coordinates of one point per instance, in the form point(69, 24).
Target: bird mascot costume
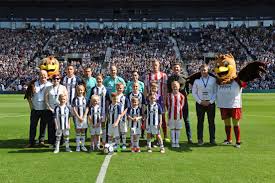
point(229, 91)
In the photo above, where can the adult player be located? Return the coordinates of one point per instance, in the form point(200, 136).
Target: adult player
point(161, 79)
point(70, 81)
point(135, 79)
point(111, 81)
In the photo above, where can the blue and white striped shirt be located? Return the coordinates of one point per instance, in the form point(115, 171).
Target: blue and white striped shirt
point(114, 112)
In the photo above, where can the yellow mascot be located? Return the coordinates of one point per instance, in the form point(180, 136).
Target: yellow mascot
point(51, 65)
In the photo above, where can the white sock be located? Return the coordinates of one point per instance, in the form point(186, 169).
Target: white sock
point(132, 141)
point(57, 144)
point(177, 136)
point(149, 142)
point(172, 133)
point(103, 136)
point(98, 141)
point(110, 140)
point(82, 137)
point(123, 135)
point(67, 145)
point(137, 145)
point(117, 140)
point(77, 139)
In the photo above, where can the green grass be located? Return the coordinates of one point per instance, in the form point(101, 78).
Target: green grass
point(254, 162)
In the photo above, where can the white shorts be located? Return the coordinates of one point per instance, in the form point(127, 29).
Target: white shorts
point(113, 131)
point(65, 132)
point(135, 131)
point(79, 125)
point(95, 131)
point(153, 130)
point(123, 127)
point(175, 124)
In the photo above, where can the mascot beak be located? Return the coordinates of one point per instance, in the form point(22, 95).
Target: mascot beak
point(221, 69)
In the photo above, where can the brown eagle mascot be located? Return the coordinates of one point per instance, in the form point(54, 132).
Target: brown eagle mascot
point(229, 90)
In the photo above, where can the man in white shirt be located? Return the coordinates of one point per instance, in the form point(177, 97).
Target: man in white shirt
point(204, 92)
point(38, 107)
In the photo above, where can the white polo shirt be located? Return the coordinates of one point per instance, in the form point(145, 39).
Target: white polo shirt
point(38, 98)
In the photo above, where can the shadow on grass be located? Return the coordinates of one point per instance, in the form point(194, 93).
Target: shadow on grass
point(33, 150)
point(13, 143)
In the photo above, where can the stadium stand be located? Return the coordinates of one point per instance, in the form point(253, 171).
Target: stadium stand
point(21, 50)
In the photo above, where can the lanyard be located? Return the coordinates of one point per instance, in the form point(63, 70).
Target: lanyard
point(205, 84)
point(56, 91)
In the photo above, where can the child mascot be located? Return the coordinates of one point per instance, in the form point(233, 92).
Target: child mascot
point(229, 91)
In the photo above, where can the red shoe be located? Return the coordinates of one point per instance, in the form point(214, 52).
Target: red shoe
point(133, 149)
point(138, 149)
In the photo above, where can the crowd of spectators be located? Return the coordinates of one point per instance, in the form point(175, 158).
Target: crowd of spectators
point(21, 50)
point(18, 50)
point(134, 49)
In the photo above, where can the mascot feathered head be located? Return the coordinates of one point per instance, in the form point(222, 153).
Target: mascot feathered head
point(51, 65)
point(225, 68)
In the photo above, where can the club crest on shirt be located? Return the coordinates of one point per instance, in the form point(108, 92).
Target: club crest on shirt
point(225, 87)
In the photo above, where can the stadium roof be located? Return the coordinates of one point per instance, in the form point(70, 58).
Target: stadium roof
point(135, 9)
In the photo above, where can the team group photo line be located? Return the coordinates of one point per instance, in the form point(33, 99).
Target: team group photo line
point(108, 108)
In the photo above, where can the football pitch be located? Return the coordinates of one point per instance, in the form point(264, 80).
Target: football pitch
point(253, 162)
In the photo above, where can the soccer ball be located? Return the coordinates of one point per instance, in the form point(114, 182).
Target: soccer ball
point(108, 149)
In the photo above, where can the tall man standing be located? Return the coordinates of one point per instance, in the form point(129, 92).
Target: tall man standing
point(161, 78)
point(70, 81)
point(111, 81)
point(181, 78)
point(204, 92)
point(135, 77)
point(36, 99)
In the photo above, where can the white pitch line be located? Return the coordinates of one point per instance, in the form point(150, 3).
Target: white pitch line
point(103, 169)
point(13, 116)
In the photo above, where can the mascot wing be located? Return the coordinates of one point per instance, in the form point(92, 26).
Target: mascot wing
point(252, 71)
point(191, 79)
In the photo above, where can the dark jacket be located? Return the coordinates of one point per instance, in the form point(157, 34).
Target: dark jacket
point(181, 79)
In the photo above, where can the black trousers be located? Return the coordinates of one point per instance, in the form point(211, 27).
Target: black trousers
point(186, 119)
point(37, 115)
point(51, 127)
point(210, 110)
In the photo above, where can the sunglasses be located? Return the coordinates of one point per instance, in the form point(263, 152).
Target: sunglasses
point(56, 78)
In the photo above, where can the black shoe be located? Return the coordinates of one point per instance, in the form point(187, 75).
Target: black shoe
point(213, 142)
point(42, 143)
point(29, 146)
point(200, 142)
point(190, 141)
